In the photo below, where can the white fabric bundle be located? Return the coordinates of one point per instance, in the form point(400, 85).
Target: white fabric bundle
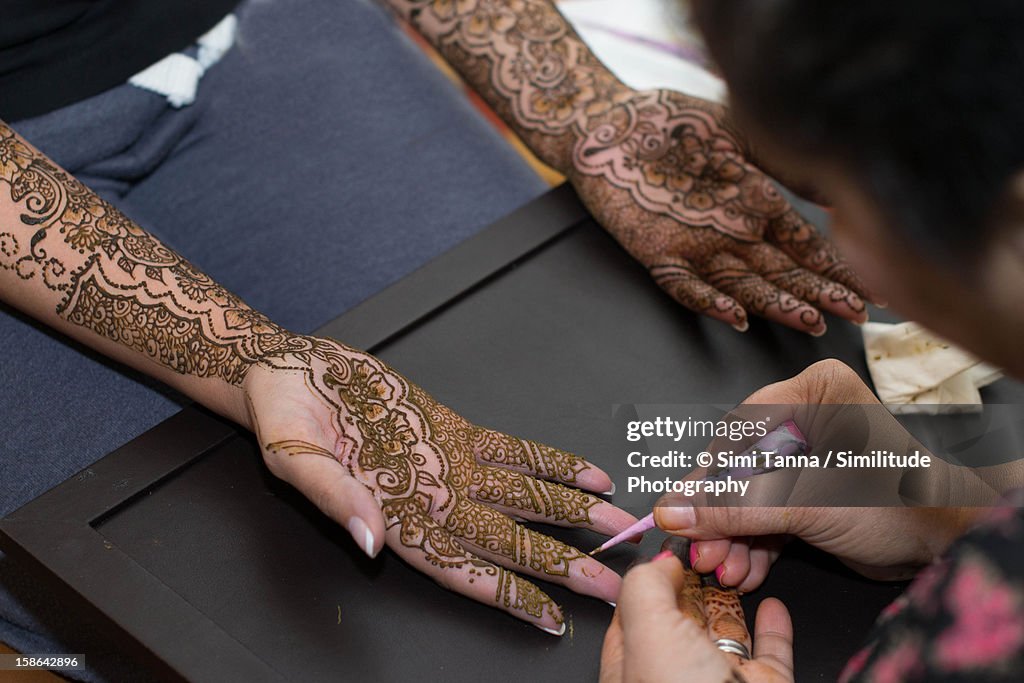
point(915, 371)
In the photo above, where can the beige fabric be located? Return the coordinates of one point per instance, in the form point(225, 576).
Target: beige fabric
point(915, 371)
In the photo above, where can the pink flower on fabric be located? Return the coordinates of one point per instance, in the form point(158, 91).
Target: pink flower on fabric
point(922, 591)
point(856, 663)
point(989, 619)
point(897, 665)
point(894, 608)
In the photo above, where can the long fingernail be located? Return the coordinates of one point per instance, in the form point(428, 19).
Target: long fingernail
point(819, 332)
point(610, 603)
point(555, 632)
point(741, 327)
point(677, 516)
point(611, 491)
point(694, 555)
point(662, 555)
point(719, 571)
point(361, 534)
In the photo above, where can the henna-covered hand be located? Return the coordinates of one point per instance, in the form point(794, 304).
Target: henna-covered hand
point(668, 620)
point(663, 172)
point(391, 464)
point(667, 176)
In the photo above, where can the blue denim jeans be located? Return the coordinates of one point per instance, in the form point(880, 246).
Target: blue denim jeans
point(324, 158)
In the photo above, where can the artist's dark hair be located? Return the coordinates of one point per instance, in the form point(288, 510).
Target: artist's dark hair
point(923, 100)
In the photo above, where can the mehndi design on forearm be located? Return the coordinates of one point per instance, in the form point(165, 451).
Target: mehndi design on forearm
point(110, 276)
point(435, 475)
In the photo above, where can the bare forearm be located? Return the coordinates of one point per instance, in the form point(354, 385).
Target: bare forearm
point(73, 261)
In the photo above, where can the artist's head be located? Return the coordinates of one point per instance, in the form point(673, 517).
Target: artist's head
point(909, 116)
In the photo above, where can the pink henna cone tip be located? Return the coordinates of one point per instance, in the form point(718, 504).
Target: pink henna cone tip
point(645, 524)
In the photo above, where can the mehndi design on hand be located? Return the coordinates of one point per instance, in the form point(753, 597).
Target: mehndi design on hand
point(448, 489)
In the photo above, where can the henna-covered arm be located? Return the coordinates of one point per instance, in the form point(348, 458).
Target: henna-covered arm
point(666, 174)
point(73, 261)
point(375, 452)
point(527, 62)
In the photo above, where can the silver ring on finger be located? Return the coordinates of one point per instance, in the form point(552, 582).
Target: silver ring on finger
point(733, 647)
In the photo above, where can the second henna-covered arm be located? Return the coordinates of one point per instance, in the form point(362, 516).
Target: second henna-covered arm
point(666, 174)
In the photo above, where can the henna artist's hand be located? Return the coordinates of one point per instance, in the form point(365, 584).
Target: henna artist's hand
point(668, 178)
point(666, 623)
point(389, 463)
point(739, 541)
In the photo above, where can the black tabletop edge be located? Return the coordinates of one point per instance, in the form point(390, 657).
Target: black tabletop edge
point(110, 482)
point(442, 281)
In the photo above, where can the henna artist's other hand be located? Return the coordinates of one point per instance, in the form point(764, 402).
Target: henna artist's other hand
point(389, 463)
point(666, 623)
point(668, 178)
point(739, 541)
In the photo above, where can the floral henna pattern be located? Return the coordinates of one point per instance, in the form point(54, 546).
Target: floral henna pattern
point(525, 59)
point(528, 456)
point(677, 160)
point(113, 278)
point(437, 477)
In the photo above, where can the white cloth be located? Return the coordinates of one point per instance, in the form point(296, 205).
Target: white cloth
point(176, 76)
point(915, 371)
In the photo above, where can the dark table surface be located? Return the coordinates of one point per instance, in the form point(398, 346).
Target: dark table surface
point(542, 349)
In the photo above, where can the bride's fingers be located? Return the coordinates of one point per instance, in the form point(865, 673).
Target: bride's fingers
point(421, 542)
point(500, 539)
point(538, 460)
point(537, 500)
point(734, 276)
point(809, 248)
point(679, 279)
